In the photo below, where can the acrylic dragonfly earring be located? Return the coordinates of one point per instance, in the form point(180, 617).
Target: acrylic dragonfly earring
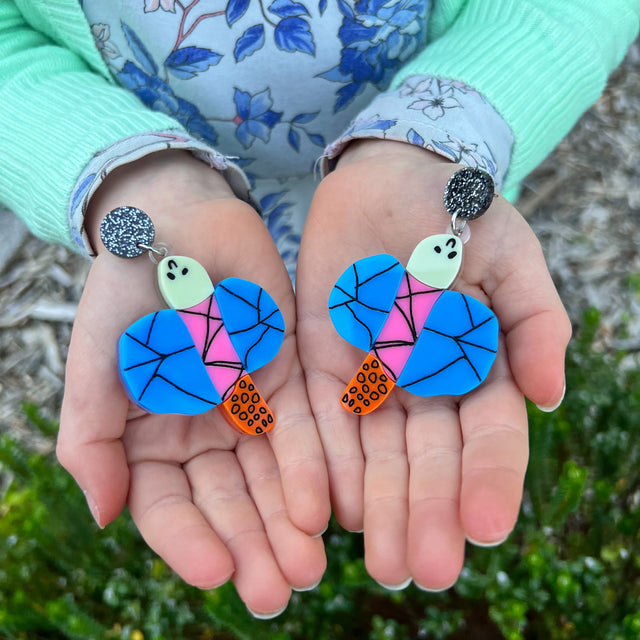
point(199, 353)
point(417, 334)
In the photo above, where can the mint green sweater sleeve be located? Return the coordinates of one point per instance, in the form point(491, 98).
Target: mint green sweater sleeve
point(55, 113)
point(540, 63)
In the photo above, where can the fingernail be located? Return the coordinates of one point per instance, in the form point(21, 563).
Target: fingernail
point(555, 406)
point(93, 507)
point(267, 616)
point(428, 590)
point(396, 587)
point(318, 535)
point(311, 587)
point(486, 545)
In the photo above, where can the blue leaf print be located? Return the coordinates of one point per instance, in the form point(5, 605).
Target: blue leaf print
point(293, 34)
point(293, 138)
point(448, 151)
point(271, 200)
point(335, 75)
point(322, 6)
point(287, 8)
point(303, 118)
point(187, 62)
point(415, 138)
point(81, 190)
point(139, 50)
point(491, 167)
point(316, 138)
point(235, 10)
point(382, 125)
point(277, 225)
point(249, 42)
point(346, 10)
point(346, 95)
point(243, 162)
point(159, 96)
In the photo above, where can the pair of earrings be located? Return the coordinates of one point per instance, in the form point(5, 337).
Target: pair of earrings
point(417, 333)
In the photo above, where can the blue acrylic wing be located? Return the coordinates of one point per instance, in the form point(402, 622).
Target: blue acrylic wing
point(455, 349)
point(161, 368)
point(362, 297)
point(252, 319)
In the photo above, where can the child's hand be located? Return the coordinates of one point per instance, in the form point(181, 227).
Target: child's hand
point(215, 505)
point(421, 475)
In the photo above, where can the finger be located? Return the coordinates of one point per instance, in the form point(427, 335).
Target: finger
point(532, 317)
point(386, 488)
point(93, 416)
point(339, 432)
point(161, 506)
point(495, 454)
point(220, 492)
point(329, 363)
point(298, 450)
point(300, 557)
point(436, 538)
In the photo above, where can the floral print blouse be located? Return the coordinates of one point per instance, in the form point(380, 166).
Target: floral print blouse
point(268, 87)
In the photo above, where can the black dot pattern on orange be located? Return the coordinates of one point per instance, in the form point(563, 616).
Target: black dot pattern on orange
point(370, 384)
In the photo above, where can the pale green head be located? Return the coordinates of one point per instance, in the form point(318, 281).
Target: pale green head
point(183, 282)
point(436, 260)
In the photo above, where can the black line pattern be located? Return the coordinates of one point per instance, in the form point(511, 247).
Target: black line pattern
point(160, 358)
point(260, 321)
point(355, 298)
point(460, 341)
point(382, 347)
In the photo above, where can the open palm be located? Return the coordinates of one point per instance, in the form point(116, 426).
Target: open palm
point(420, 475)
point(215, 504)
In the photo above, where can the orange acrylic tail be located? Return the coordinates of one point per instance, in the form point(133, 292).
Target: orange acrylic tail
point(368, 389)
point(246, 410)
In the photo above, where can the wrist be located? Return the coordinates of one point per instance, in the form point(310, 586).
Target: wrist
point(162, 184)
point(373, 148)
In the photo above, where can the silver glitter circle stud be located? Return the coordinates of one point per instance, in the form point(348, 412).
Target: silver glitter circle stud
point(125, 230)
point(469, 193)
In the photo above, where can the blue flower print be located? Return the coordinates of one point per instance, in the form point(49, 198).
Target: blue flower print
point(377, 38)
point(159, 96)
point(254, 118)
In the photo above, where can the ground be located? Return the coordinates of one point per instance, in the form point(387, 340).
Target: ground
point(583, 202)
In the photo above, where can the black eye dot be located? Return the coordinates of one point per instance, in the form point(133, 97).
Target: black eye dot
point(451, 242)
point(452, 255)
point(437, 249)
point(185, 271)
point(171, 276)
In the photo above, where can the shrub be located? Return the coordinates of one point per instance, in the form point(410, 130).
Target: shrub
point(570, 570)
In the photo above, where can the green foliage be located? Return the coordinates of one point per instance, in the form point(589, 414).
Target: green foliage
point(570, 570)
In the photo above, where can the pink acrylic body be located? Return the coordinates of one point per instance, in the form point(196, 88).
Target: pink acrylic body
point(205, 325)
point(406, 319)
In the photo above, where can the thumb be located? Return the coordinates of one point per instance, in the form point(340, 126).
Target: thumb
point(536, 326)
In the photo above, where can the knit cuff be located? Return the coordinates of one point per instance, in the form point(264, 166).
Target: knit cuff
point(540, 81)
